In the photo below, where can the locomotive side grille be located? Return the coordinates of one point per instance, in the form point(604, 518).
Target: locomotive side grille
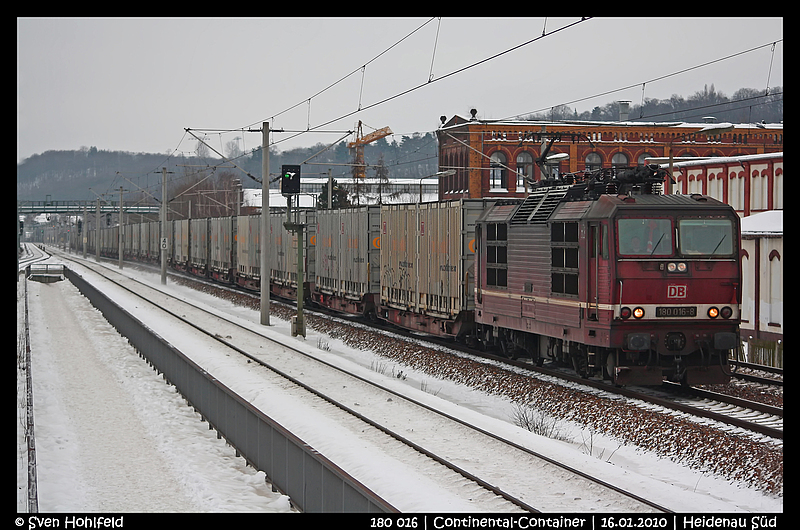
point(539, 205)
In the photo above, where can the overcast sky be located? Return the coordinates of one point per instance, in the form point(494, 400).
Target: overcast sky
point(137, 84)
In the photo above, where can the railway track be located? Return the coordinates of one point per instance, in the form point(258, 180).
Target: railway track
point(25, 386)
point(774, 377)
point(725, 409)
point(32, 254)
point(460, 456)
point(748, 415)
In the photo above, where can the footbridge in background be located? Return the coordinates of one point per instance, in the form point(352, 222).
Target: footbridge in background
point(77, 207)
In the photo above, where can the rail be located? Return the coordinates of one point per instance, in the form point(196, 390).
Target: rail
point(30, 440)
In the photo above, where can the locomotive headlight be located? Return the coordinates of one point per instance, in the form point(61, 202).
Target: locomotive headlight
point(638, 312)
point(713, 312)
point(676, 267)
point(726, 312)
point(625, 313)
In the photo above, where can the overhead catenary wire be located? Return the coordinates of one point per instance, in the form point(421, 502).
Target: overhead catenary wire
point(361, 107)
point(414, 88)
point(659, 78)
point(225, 159)
point(445, 76)
point(362, 67)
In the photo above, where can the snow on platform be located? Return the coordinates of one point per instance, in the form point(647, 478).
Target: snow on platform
point(111, 436)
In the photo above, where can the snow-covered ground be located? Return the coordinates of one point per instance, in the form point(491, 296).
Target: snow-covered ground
point(110, 435)
point(144, 421)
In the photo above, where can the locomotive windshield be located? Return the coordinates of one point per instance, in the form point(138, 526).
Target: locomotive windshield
point(645, 237)
point(705, 237)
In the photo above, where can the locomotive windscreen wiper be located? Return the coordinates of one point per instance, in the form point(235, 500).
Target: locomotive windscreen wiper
point(659, 242)
point(718, 244)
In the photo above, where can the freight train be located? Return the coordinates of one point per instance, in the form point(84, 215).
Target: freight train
point(599, 271)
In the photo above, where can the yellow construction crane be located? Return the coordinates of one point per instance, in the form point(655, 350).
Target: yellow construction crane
point(359, 169)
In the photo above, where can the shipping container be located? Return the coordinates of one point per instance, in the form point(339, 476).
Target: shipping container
point(427, 257)
point(348, 246)
point(109, 242)
point(151, 233)
point(180, 255)
point(130, 238)
point(198, 248)
point(283, 253)
point(248, 250)
point(221, 248)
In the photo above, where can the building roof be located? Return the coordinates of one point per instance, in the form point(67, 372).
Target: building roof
point(720, 160)
point(459, 121)
point(763, 224)
point(252, 198)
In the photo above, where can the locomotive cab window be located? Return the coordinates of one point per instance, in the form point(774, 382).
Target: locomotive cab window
point(645, 237)
point(497, 254)
point(705, 237)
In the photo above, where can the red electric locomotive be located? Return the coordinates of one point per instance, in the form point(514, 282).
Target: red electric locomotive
point(608, 274)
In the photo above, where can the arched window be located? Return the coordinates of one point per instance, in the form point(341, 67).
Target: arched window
point(696, 183)
point(775, 289)
point(736, 191)
point(748, 290)
point(524, 170)
point(714, 188)
point(593, 162)
point(619, 160)
point(642, 160)
point(498, 174)
point(777, 190)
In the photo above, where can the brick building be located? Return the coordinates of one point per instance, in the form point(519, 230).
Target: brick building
point(496, 158)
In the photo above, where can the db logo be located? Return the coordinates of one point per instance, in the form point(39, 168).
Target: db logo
point(676, 291)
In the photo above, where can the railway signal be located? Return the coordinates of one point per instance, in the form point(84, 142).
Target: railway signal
point(290, 179)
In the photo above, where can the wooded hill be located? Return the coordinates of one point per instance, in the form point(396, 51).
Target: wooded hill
point(68, 175)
